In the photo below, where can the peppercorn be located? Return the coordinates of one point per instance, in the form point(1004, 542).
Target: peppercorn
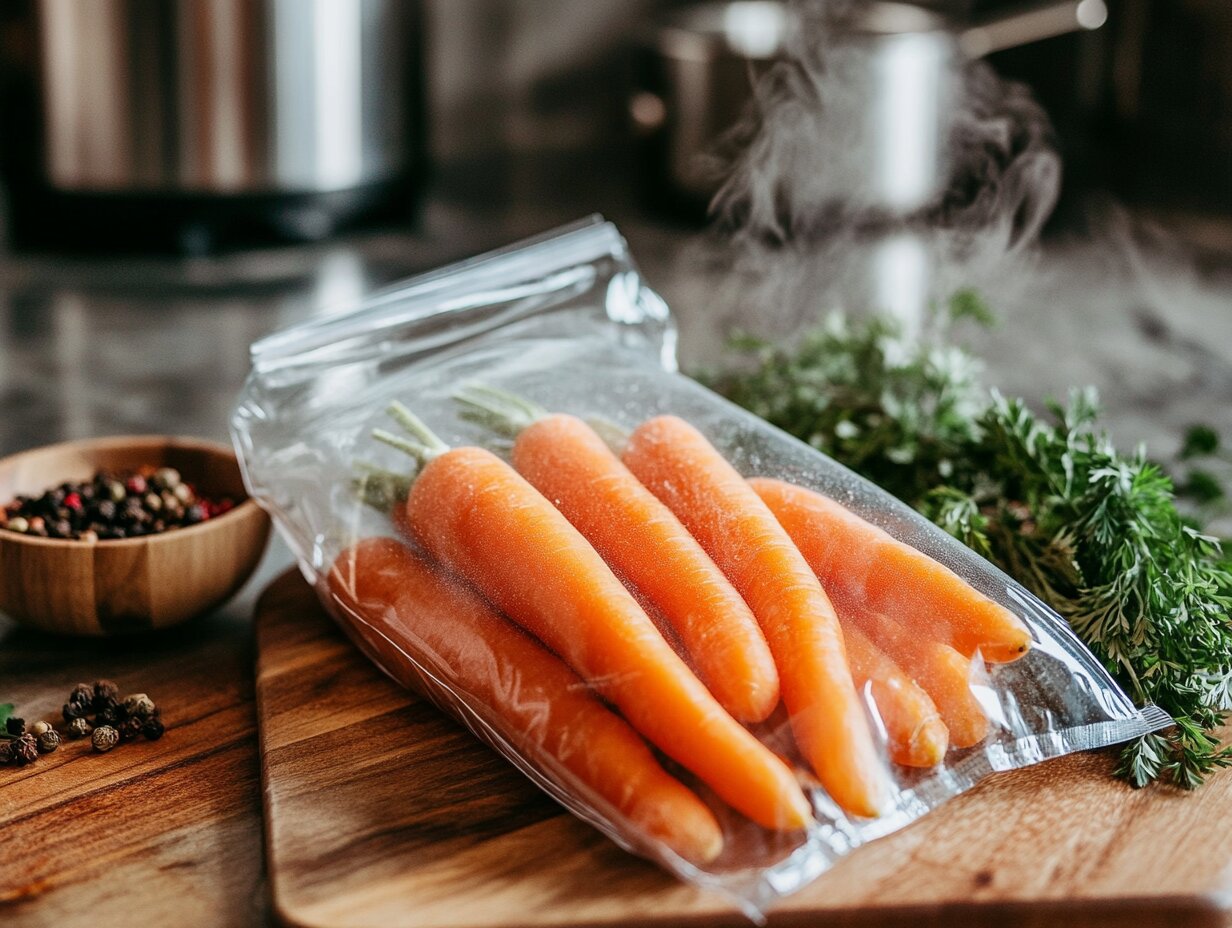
point(116, 491)
point(48, 741)
point(15, 726)
point(169, 477)
point(6, 751)
point(17, 524)
point(105, 693)
point(38, 728)
point(105, 738)
point(73, 711)
point(108, 716)
point(82, 694)
point(25, 750)
point(139, 705)
point(153, 728)
point(129, 729)
point(79, 728)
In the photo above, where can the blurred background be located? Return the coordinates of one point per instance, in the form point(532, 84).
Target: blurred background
point(180, 177)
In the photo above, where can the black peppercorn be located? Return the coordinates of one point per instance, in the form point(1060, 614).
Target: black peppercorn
point(82, 694)
point(48, 741)
point(109, 715)
point(74, 710)
point(153, 728)
point(79, 728)
point(105, 693)
point(6, 751)
point(25, 750)
point(129, 729)
point(15, 726)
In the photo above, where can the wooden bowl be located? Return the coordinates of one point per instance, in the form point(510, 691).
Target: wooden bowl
point(131, 584)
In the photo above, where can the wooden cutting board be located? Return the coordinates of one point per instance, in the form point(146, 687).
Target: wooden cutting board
point(380, 811)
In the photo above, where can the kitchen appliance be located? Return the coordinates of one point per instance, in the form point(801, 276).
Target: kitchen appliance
point(205, 117)
point(886, 80)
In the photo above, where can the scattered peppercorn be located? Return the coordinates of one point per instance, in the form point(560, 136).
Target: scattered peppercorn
point(105, 693)
point(113, 506)
point(139, 705)
point(82, 695)
point(153, 728)
point(38, 728)
point(15, 726)
point(129, 729)
point(25, 750)
point(79, 728)
point(6, 751)
point(105, 738)
point(73, 711)
point(111, 715)
point(48, 741)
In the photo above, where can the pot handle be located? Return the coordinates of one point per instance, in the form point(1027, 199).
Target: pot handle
point(1032, 24)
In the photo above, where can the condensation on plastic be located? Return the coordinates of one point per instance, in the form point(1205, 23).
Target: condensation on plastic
point(566, 321)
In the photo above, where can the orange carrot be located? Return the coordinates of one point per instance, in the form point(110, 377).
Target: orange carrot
point(915, 734)
point(473, 512)
point(566, 461)
point(857, 561)
point(718, 507)
point(399, 604)
point(941, 672)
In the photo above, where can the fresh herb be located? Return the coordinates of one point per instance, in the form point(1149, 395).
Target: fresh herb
point(6, 710)
point(1094, 533)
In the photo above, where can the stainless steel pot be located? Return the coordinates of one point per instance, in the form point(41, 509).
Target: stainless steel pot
point(886, 83)
point(226, 98)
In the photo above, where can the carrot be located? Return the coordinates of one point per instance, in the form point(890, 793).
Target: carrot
point(645, 544)
point(915, 733)
point(400, 605)
point(941, 672)
point(858, 561)
point(733, 525)
point(473, 512)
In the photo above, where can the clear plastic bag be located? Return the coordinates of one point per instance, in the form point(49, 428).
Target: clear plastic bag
point(567, 322)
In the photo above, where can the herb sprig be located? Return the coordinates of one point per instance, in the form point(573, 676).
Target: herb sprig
point(1094, 533)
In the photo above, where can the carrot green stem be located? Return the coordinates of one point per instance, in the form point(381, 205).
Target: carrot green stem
point(378, 487)
point(504, 413)
point(423, 444)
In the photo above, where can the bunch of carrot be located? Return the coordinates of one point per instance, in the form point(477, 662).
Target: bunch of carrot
point(573, 565)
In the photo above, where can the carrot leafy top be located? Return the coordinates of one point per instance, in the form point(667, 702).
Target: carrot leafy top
point(1094, 533)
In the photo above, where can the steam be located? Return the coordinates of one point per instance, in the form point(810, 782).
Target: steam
point(814, 214)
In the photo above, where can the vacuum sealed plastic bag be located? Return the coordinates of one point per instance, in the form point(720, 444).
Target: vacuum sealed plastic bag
point(708, 640)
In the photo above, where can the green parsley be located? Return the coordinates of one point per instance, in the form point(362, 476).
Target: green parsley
point(1094, 533)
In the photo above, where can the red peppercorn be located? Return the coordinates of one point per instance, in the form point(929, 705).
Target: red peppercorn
point(136, 484)
point(73, 501)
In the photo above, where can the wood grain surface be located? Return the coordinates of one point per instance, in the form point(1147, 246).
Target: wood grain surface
point(380, 811)
point(154, 833)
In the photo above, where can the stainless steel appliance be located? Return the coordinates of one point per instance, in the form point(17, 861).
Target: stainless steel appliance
point(299, 112)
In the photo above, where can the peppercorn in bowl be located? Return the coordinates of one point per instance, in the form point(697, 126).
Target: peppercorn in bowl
point(115, 535)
